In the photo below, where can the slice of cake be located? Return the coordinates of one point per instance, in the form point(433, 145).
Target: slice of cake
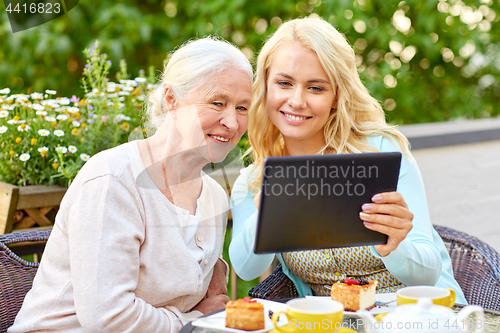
point(355, 294)
point(245, 314)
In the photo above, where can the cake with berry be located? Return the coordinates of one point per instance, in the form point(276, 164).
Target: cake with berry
point(245, 314)
point(355, 294)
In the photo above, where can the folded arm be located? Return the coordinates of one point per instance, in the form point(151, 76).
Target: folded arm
point(106, 230)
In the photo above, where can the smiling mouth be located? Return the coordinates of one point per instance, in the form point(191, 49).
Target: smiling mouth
point(292, 117)
point(218, 138)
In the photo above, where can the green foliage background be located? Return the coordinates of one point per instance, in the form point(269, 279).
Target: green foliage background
point(429, 87)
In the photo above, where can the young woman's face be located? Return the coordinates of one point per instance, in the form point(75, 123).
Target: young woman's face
point(299, 95)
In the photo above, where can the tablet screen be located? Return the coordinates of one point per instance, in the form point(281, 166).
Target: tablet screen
point(313, 202)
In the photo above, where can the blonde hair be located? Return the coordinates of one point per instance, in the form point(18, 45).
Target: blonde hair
point(357, 114)
point(188, 68)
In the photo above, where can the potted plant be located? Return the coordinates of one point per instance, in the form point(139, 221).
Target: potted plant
point(46, 139)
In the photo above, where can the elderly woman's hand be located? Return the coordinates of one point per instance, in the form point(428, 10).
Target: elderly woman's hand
point(212, 303)
point(218, 284)
point(388, 214)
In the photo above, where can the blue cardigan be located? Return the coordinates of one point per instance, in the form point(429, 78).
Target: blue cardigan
point(420, 259)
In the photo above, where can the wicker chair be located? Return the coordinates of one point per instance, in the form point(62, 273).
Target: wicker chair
point(476, 267)
point(16, 274)
point(275, 286)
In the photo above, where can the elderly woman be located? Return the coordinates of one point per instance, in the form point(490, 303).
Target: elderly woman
point(137, 241)
point(309, 100)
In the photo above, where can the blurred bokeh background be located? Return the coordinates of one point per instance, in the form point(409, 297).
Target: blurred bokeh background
point(425, 61)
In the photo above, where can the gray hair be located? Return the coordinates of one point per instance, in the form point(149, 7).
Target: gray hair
point(189, 67)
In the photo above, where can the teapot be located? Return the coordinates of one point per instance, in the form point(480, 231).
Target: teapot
point(424, 317)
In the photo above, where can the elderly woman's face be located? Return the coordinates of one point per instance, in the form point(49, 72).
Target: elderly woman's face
point(220, 116)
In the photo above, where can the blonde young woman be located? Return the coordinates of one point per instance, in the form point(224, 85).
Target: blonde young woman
point(308, 99)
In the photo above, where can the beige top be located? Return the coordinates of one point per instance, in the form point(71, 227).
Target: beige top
point(116, 260)
point(322, 268)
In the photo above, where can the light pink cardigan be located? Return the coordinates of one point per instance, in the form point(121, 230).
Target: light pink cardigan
point(116, 260)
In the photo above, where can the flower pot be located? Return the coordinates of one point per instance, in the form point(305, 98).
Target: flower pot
point(28, 206)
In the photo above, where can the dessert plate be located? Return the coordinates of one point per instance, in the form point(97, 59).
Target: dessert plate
point(217, 321)
point(385, 303)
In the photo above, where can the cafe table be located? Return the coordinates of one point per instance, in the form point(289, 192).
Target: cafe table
point(491, 322)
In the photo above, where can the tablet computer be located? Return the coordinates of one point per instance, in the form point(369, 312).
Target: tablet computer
point(313, 202)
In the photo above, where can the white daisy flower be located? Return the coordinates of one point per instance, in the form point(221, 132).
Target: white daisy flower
point(84, 157)
point(140, 79)
point(41, 113)
point(114, 95)
point(4, 114)
point(62, 150)
point(123, 93)
point(73, 110)
point(5, 91)
point(64, 101)
point(43, 132)
point(12, 121)
point(128, 88)
point(51, 92)
point(24, 157)
point(62, 117)
point(50, 119)
point(43, 149)
point(25, 129)
point(121, 117)
point(128, 82)
point(38, 107)
point(76, 123)
point(51, 103)
point(36, 95)
point(58, 133)
point(72, 149)
point(111, 87)
point(3, 129)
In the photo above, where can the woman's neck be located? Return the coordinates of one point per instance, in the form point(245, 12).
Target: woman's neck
point(165, 147)
point(303, 147)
